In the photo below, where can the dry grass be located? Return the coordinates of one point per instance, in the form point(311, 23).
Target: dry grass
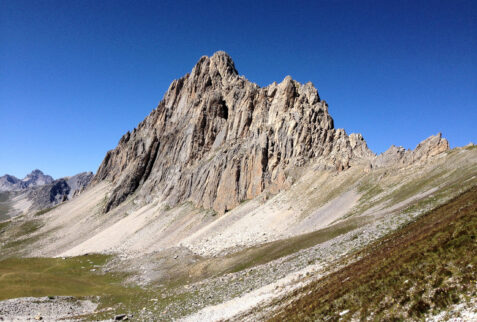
point(424, 267)
point(21, 277)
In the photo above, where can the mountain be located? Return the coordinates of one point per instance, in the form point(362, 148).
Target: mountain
point(236, 202)
point(217, 139)
point(33, 179)
point(38, 191)
point(59, 190)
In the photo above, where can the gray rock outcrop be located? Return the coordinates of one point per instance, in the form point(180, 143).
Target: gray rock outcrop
point(430, 147)
point(58, 191)
point(33, 179)
point(217, 139)
point(40, 191)
point(78, 183)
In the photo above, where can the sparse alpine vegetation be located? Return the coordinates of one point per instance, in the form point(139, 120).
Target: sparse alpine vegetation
point(232, 201)
point(421, 269)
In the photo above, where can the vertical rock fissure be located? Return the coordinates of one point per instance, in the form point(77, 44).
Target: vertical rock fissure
point(219, 138)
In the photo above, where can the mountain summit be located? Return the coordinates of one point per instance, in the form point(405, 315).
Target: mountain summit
point(322, 209)
point(33, 179)
point(217, 139)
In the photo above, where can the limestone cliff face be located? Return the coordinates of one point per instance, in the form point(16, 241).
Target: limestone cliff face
point(428, 148)
point(217, 139)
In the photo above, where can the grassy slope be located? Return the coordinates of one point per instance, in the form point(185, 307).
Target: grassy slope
point(5, 206)
point(76, 276)
point(21, 277)
point(15, 236)
point(424, 267)
point(73, 276)
point(81, 277)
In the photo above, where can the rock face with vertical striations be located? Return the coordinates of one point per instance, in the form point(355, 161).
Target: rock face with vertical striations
point(430, 147)
point(217, 139)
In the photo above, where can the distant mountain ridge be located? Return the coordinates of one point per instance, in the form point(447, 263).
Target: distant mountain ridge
point(38, 191)
point(59, 190)
point(35, 178)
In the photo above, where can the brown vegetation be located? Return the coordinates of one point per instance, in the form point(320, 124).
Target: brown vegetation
point(423, 267)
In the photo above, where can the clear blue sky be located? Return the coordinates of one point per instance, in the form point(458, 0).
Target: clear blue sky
point(76, 75)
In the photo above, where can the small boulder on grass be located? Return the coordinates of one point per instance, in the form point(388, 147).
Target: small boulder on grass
point(120, 317)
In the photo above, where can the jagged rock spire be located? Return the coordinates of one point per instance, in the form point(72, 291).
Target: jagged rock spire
point(217, 139)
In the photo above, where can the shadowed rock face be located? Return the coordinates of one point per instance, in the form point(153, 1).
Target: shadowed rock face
point(78, 183)
point(33, 179)
point(42, 193)
point(217, 139)
point(59, 190)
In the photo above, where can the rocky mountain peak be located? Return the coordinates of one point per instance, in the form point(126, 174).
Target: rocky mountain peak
point(217, 139)
point(223, 63)
point(36, 178)
point(37, 175)
point(33, 179)
point(214, 70)
point(432, 146)
point(36, 172)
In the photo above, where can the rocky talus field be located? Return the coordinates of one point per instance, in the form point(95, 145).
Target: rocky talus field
point(236, 202)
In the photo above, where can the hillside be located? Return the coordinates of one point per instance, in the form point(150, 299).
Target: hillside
point(426, 267)
point(38, 192)
point(231, 200)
